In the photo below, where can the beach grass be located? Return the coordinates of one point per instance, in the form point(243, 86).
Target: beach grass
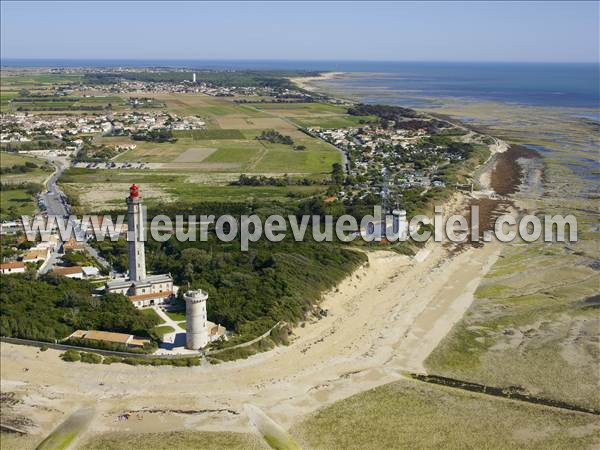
point(180, 440)
point(409, 414)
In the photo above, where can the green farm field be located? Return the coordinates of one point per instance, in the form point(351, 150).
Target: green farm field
point(92, 190)
point(17, 202)
point(233, 150)
point(38, 175)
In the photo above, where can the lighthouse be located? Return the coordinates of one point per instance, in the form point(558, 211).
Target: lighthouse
point(196, 329)
point(135, 232)
point(142, 289)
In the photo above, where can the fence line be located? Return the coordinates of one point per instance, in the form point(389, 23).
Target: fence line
point(244, 344)
point(57, 346)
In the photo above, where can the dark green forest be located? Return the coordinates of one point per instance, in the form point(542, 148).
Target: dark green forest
point(248, 291)
point(52, 307)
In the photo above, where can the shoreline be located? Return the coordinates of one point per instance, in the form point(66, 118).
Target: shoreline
point(305, 82)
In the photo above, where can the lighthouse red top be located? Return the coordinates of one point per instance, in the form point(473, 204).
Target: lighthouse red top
point(133, 191)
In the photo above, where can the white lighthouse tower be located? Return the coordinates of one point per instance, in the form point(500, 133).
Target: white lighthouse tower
point(196, 329)
point(135, 244)
point(194, 77)
point(400, 224)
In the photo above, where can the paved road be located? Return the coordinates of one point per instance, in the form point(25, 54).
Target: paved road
point(57, 205)
point(53, 198)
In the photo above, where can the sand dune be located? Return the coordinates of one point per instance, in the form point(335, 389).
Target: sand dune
point(384, 319)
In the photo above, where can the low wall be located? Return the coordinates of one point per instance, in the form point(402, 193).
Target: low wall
point(244, 344)
point(57, 346)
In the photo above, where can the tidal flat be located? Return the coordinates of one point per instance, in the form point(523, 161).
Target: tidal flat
point(532, 325)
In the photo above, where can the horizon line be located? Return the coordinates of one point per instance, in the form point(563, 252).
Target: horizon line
point(322, 60)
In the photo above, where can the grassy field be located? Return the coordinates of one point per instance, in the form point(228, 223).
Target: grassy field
point(176, 440)
point(8, 159)
point(409, 414)
point(15, 203)
point(222, 154)
point(98, 189)
point(16, 103)
point(152, 441)
point(38, 175)
point(176, 315)
point(533, 325)
point(229, 143)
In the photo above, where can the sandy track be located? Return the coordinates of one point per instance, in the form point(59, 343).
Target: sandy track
point(385, 318)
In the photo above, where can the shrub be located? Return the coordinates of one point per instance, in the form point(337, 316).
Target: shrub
point(91, 358)
point(71, 356)
point(112, 359)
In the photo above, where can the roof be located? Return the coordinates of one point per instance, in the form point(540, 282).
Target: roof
point(36, 253)
point(160, 294)
point(108, 336)
point(73, 244)
point(90, 270)
point(12, 265)
point(119, 283)
point(67, 270)
point(214, 329)
point(158, 278)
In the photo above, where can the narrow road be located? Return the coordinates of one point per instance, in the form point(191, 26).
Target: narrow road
point(57, 205)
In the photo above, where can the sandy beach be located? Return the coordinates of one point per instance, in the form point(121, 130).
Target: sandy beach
point(306, 82)
point(383, 319)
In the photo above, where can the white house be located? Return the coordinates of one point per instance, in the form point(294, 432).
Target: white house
point(12, 267)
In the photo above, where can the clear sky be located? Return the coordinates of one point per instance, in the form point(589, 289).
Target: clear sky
point(444, 31)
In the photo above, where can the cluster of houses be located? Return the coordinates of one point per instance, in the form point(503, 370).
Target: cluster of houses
point(35, 258)
point(41, 257)
point(22, 127)
point(370, 149)
point(201, 87)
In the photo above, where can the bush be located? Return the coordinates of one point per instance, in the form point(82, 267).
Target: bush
point(71, 356)
point(43, 348)
point(112, 359)
point(91, 358)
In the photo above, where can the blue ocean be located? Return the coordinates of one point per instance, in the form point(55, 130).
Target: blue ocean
point(412, 83)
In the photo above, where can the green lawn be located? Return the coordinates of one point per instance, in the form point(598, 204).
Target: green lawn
point(38, 175)
point(304, 109)
point(197, 135)
point(176, 315)
point(235, 155)
point(161, 330)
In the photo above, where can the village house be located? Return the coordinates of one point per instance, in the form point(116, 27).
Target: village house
point(128, 340)
point(9, 268)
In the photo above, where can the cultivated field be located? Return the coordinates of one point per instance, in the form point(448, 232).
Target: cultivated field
point(217, 155)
